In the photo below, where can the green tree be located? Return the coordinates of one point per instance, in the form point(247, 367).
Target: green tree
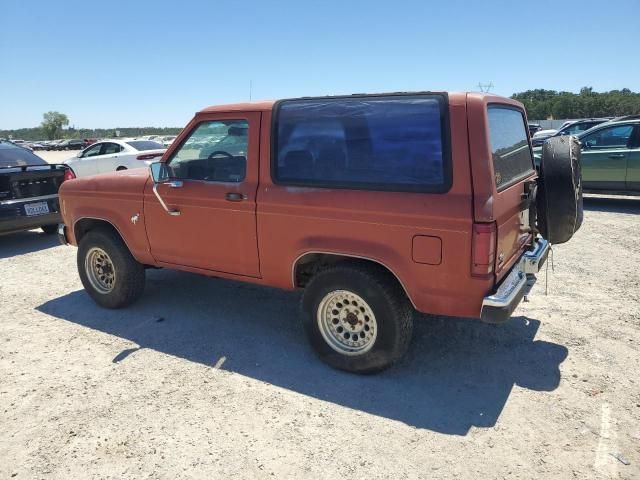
point(52, 123)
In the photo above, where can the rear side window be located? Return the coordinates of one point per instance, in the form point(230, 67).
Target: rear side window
point(142, 145)
point(509, 145)
point(384, 143)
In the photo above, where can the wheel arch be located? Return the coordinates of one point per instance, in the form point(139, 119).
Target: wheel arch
point(308, 263)
point(84, 225)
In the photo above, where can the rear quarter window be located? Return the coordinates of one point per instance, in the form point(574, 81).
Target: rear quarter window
point(510, 150)
point(394, 142)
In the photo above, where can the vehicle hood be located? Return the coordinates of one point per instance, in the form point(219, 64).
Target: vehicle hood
point(122, 183)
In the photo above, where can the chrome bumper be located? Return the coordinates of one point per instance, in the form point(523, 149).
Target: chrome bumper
point(62, 236)
point(499, 306)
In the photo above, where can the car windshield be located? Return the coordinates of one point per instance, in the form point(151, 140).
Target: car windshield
point(142, 145)
point(12, 156)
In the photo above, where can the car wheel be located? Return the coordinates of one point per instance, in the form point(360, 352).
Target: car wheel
point(357, 317)
point(108, 271)
point(49, 229)
point(120, 169)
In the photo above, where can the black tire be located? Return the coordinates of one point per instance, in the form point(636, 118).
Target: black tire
point(49, 229)
point(388, 302)
point(129, 274)
point(119, 169)
point(559, 195)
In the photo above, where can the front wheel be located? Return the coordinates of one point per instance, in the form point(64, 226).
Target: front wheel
point(357, 317)
point(49, 229)
point(108, 271)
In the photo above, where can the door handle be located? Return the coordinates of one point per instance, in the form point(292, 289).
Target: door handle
point(171, 211)
point(616, 155)
point(235, 196)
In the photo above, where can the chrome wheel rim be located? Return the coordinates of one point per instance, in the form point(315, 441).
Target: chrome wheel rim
point(100, 270)
point(347, 323)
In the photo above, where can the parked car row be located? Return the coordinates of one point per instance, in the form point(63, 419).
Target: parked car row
point(610, 156)
point(571, 127)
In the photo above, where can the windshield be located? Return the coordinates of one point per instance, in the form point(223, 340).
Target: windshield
point(12, 156)
point(142, 145)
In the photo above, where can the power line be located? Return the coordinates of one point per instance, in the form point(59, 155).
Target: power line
point(485, 87)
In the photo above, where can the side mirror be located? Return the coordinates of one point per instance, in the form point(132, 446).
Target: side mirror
point(159, 172)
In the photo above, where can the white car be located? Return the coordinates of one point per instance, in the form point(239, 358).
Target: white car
point(544, 133)
point(114, 155)
point(166, 140)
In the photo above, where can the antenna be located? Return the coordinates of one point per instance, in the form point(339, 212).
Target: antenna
point(485, 87)
point(250, 89)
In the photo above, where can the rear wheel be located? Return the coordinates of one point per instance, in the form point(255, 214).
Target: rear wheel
point(108, 271)
point(49, 229)
point(357, 317)
point(120, 168)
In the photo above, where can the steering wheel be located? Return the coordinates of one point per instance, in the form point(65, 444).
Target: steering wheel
point(219, 152)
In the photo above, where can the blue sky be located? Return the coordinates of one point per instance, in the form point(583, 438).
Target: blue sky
point(154, 63)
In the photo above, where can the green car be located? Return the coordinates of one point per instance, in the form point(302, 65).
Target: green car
point(610, 158)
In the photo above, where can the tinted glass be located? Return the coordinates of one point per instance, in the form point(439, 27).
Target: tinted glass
point(390, 143)
point(215, 151)
point(142, 145)
point(509, 146)
point(92, 151)
point(110, 148)
point(12, 156)
point(606, 138)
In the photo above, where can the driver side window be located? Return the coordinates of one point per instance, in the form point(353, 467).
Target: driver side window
point(215, 151)
point(92, 151)
point(609, 138)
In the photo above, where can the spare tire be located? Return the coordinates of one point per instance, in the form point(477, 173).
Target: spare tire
point(559, 193)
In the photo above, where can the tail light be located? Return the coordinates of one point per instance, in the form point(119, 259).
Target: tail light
point(149, 156)
point(68, 174)
point(483, 248)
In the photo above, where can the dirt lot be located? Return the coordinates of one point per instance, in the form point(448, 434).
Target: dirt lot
point(209, 379)
point(56, 157)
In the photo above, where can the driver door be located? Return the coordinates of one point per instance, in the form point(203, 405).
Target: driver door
point(210, 219)
point(86, 163)
point(604, 157)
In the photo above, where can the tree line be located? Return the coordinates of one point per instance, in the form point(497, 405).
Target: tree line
point(53, 123)
point(540, 105)
point(550, 104)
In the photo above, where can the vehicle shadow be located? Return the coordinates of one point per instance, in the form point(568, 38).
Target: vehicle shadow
point(20, 243)
point(612, 204)
point(459, 373)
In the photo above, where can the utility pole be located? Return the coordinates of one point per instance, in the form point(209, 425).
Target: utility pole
point(485, 87)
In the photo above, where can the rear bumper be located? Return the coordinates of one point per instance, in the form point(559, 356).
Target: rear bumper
point(498, 307)
point(14, 218)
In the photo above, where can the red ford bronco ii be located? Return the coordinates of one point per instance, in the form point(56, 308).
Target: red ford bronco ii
point(375, 205)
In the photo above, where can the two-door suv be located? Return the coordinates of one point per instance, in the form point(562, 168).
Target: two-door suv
point(375, 205)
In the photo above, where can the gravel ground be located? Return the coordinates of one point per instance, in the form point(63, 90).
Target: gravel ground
point(205, 378)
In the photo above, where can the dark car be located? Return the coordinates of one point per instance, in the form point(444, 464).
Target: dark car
point(533, 128)
point(573, 127)
point(28, 190)
point(75, 144)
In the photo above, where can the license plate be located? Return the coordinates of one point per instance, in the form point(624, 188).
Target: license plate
point(39, 208)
